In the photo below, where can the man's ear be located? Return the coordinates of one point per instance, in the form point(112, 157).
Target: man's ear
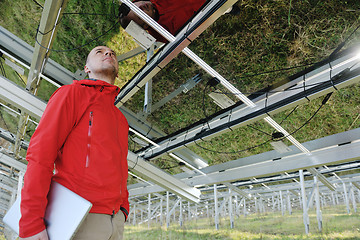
point(86, 69)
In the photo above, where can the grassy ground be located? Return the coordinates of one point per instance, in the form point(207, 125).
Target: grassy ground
point(336, 225)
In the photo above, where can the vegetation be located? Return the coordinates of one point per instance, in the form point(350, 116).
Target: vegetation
point(336, 225)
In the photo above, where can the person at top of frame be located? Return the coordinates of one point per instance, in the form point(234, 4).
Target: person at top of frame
point(172, 15)
point(85, 136)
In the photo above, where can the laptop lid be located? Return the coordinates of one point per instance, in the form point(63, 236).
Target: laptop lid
point(64, 213)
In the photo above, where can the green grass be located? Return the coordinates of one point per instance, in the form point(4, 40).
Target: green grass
point(336, 225)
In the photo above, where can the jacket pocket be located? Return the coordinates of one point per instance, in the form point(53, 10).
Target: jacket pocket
point(91, 123)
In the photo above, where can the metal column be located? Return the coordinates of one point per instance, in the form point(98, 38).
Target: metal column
point(161, 211)
point(134, 220)
point(303, 194)
point(149, 209)
point(353, 197)
point(167, 210)
point(181, 215)
point(289, 202)
point(148, 85)
point(216, 208)
point(189, 212)
point(231, 213)
point(282, 204)
point(317, 200)
point(346, 199)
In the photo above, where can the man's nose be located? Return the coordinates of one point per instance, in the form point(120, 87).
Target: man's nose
point(109, 53)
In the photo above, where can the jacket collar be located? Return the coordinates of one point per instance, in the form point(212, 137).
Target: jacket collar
point(98, 84)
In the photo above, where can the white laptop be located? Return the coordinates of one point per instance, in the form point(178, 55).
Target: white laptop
point(64, 213)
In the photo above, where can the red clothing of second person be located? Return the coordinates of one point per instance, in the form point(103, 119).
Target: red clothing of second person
point(174, 14)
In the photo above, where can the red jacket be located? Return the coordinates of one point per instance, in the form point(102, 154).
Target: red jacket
point(174, 14)
point(86, 137)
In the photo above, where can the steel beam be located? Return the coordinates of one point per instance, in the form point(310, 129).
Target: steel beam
point(21, 52)
point(284, 161)
point(164, 180)
point(334, 155)
point(246, 115)
point(21, 99)
point(52, 13)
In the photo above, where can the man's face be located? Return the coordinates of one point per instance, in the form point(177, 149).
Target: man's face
point(145, 6)
point(102, 60)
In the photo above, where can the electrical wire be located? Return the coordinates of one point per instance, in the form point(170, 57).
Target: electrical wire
point(2, 117)
point(324, 101)
point(81, 46)
point(277, 70)
point(37, 3)
point(204, 105)
point(2, 68)
point(20, 78)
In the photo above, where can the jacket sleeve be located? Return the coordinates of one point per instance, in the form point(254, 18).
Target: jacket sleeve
point(54, 126)
point(125, 207)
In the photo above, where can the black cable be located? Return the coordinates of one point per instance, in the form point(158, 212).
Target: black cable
point(168, 168)
point(78, 47)
point(324, 101)
point(284, 90)
point(204, 106)
point(20, 77)
point(134, 145)
point(258, 130)
point(38, 4)
point(6, 126)
point(2, 69)
point(91, 14)
point(287, 116)
point(342, 44)
point(278, 70)
point(236, 152)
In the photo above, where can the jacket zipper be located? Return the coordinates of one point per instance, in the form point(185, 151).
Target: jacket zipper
point(89, 140)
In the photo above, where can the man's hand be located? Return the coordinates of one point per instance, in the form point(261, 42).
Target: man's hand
point(40, 236)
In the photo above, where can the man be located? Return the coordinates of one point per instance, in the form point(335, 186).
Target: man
point(85, 136)
point(172, 15)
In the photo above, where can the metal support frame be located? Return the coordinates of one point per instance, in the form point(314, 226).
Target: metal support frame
point(161, 178)
point(289, 202)
point(303, 197)
point(149, 209)
point(22, 53)
point(199, 23)
point(317, 201)
point(231, 211)
point(181, 221)
point(148, 85)
point(241, 115)
point(216, 209)
point(167, 210)
point(183, 88)
point(352, 195)
point(282, 207)
point(50, 17)
point(21, 99)
point(346, 198)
